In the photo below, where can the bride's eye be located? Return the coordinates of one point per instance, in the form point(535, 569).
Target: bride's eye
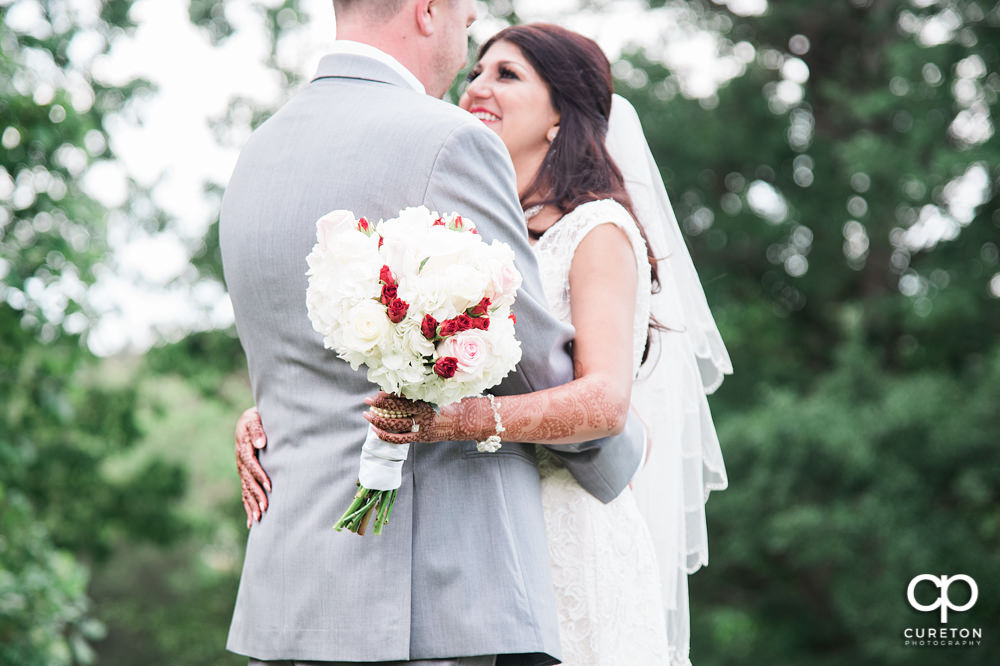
point(507, 74)
point(471, 76)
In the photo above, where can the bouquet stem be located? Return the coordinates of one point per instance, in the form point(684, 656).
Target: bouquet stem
point(367, 503)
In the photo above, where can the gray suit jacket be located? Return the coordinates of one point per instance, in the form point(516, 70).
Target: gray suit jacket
point(462, 568)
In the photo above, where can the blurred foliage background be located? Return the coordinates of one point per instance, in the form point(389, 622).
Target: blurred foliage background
point(840, 192)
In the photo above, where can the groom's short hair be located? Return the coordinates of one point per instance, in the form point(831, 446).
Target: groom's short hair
point(373, 9)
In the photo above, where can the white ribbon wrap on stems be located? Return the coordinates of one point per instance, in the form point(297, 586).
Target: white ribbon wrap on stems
point(381, 463)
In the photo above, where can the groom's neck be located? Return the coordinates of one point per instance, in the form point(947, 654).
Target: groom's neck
point(396, 37)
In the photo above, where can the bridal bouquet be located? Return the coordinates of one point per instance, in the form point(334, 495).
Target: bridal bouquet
point(425, 304)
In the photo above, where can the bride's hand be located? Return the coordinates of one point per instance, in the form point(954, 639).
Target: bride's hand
point(250, 438)
point(423, 424)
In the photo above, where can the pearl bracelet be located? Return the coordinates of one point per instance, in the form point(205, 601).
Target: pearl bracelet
point(492, 443)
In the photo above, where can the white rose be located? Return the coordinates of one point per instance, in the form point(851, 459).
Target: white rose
point(446, 246)
point(352, 250)
point(416, 216)
point(466, 284)
point(367, 327)
point(506, 350)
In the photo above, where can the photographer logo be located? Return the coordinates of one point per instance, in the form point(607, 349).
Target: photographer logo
point(944, 601)
point(943, 635)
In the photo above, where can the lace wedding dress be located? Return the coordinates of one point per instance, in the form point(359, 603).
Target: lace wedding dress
point(604, 568)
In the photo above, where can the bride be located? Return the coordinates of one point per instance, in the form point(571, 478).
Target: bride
point(645, 340)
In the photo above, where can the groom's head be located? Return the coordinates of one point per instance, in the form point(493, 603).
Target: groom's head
point(427, 36)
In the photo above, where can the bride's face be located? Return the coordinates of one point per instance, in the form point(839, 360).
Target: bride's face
point(508, 95)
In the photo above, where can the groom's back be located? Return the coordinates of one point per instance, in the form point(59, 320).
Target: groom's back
point(340, 144)
point(308, 592)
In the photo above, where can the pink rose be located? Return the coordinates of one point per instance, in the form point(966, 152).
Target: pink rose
point(504, 282)
point(333, 223)
point(471, 349)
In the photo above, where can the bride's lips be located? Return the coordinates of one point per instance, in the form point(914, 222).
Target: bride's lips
point(485, 115)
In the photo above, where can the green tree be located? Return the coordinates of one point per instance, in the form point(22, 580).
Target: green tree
point(840, 198)
point(60, 421)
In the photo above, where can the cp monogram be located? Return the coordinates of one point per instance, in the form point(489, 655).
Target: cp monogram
point(944, 601)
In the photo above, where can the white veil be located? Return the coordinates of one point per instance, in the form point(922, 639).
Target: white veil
point(686, 362)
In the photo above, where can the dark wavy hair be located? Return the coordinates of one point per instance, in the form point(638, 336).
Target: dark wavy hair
point(577, 167)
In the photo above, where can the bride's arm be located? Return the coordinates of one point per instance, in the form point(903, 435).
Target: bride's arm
point(594, 405)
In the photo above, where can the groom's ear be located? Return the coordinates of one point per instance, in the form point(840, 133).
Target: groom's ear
point(426, 11)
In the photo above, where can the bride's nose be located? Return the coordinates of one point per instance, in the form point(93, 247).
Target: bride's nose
point(478, 89)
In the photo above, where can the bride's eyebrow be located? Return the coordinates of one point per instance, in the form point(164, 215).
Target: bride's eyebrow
point(510, 63)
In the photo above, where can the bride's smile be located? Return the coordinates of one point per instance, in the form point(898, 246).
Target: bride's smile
point(506, 92)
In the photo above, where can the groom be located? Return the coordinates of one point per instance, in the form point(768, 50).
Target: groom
point(460, 575)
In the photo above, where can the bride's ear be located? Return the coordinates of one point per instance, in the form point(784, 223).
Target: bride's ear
point(553, 131)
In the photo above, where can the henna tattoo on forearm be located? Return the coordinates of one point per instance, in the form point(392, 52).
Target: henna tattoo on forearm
point(576, 412)
point(579, 411)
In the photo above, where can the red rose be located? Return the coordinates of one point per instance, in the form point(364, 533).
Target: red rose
point(448, 327)
point(481, 309)
point(389, 293)
point(458, 223)
point(429, 327)
point(363, 225)
point(446, 366)
point(385, 276)
point(512, 317)
point(482, 323)
point(380, 241)
point(462, 322)
point(438, 223)
point(397, 310)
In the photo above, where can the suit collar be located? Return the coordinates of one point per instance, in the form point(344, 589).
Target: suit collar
point(355, 60)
